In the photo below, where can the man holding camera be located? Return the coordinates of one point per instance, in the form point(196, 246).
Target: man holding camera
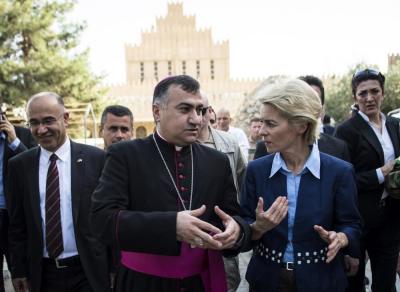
point(13, 140)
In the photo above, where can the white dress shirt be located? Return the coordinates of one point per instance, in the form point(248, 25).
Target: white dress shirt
point(64, 173)
point(386, 143)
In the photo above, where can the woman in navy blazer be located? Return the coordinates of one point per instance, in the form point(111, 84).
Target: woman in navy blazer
point(309, 197)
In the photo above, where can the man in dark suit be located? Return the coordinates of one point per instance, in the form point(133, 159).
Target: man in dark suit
point(13, 140)
point(327, 127)
point(374, 142)
point(52, 247)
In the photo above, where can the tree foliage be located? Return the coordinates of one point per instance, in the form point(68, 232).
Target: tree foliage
point(38, 52)
point(339, 97)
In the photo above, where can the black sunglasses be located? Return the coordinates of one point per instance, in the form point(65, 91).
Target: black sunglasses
point(361, 74)
point(204, 110)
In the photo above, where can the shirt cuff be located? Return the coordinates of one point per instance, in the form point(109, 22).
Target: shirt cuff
point(379, 173)
point(14, 144)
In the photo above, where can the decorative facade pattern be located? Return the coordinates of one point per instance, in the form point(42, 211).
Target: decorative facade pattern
point(175, 46)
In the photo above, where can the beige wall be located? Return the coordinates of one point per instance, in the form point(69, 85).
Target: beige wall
point(176, 47)
point(175, 41)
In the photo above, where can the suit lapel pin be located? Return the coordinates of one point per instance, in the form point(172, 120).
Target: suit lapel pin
point(79, 160)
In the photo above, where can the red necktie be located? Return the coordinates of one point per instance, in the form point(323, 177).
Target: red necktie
point(54, 239)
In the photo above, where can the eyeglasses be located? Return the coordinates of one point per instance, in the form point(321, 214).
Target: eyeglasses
point(204, 110)
point(364, 74)
point(46, 122)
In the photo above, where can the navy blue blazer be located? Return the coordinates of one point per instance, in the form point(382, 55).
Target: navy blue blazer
point(329, 201)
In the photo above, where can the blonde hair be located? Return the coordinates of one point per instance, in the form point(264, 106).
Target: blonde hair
point(299, 103)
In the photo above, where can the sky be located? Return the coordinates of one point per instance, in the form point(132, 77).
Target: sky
point(267, 37)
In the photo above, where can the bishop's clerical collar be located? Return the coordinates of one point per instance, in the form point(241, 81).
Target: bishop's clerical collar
point(177, 147)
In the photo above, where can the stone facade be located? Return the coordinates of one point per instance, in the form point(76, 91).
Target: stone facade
point(175, 47)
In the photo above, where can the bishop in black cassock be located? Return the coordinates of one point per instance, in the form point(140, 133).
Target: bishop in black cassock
point(145, 183)
point(136, 204)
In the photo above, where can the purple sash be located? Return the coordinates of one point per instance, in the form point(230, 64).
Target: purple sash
point(191, 261)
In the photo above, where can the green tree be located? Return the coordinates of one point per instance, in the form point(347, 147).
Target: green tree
point(38, 52)
point(392, 89)
point(339, 97)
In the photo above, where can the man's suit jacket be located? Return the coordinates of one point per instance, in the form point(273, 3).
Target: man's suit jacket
point(25, 231)
point(328, 129)
point(367, 155)
point(326, 144)
point(26, 141)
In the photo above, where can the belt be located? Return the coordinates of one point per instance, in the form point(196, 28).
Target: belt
point(300, 258)
point(287, 266)
point(63, 263)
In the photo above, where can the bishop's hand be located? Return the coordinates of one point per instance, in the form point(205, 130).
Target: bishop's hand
point(194, 231)
point(230, 236)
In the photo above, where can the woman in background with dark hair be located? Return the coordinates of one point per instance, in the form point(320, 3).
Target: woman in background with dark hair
point(374, 142)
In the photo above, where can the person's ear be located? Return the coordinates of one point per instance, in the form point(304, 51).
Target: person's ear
point(66, 118)
point(156, 112)
point(302, 128)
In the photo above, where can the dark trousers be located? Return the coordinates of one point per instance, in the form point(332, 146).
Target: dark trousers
point(70, 279)
point(3, 244)
point(382, 245)
point(286, 283)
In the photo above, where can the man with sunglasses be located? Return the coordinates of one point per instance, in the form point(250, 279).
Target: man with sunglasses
point(213, 119)
point(13, 140)
point(225, 143)
point(374, 142)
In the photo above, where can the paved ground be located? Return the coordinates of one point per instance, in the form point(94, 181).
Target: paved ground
point(242, 288)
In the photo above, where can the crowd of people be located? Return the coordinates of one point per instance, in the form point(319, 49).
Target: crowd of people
point(173, 211)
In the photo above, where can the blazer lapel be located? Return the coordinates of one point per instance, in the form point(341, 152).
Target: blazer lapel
point(77, 176)
point(393, 131)
point(369, 135)
point(35, 198)
point(275, 186)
